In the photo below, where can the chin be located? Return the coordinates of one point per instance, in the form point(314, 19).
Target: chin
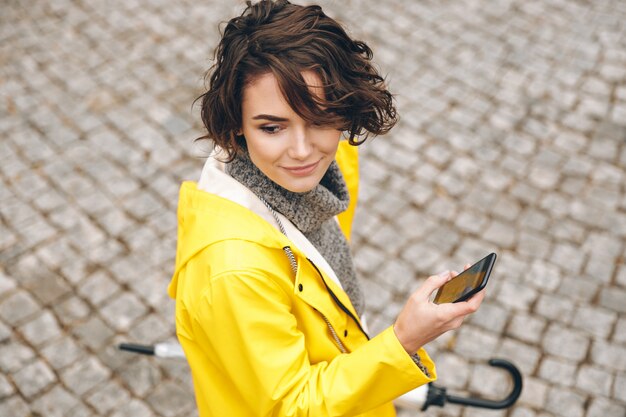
point(300, 189)
point(301, 186)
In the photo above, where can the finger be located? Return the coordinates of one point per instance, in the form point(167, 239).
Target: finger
point(477, 299)
point(434, 282)
point(474, 303)
point(466, 267)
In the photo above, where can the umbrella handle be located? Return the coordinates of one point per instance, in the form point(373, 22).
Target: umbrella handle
point(438, 396)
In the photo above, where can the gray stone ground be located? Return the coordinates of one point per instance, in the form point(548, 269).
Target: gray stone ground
point(512, 139)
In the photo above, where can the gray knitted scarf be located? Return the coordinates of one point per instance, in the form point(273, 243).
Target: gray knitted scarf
point(313, 214)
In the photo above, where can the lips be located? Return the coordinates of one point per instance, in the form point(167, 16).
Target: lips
point(304, 170)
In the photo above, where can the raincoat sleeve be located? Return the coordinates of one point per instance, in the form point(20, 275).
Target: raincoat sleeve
point(244, 321)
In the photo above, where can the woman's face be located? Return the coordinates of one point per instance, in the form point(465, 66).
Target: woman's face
point(287, 149)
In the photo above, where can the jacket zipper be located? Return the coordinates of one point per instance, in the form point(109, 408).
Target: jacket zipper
point(342, 348)
point(339, 303)
point(294, 267)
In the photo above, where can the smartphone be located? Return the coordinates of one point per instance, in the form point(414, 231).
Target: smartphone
point(467, 283)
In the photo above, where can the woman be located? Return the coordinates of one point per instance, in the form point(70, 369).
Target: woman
point(268, 308)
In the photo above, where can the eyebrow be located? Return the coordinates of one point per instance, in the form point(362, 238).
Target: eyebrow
point(270, 117)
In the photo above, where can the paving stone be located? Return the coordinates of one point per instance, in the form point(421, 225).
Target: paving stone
point(106, 252)
point(619, 335)
point(58, 402)
point(566, 343)
point(164, 223)
point(98, 287)
point(614, 356)
point(534, 219)
point(55, 255)
point(128, 268)
point(85, 375)
point(490, 382)
point(6, 389)
point(149, 287)
point(383, 295)
point(543, 275)
point(523, 412)
point(602, 407)
point(619, 388)
point(18, 307)
point(471, 222)
point(399, 275)
point(443, 240)
point(533, 245)
point(558, 371)
point(453, 371)
point(501, 234)
point(71, 310)
point(565, 402)
point(557, 205)
point(567, 231)
point(134, 407)
point(94, 332)
point(44, 284)
point(152, 329)
point(473, 343)
point(41, 329)
point(141, 377)
point(600, 269)
point(544, 178)
point(525, 357)
point(613, 299)
point(5, 333)
point(14, 356)
point(61, 352)
point(33, 378)
point(171, 399)
point(423, 256)
point(14, 406)
point(578, 288)
point(527, 328)
point(596, 321)
point(369, 259)
point(108, 397)
point(139, 239)
point(122, 311)
point(490, 317)
point(442, 208)
point(516, 296)
point(471, 412)
point(594, 380)
point(7, 284)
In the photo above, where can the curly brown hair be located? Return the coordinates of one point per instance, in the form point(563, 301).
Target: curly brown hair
point(275, 36)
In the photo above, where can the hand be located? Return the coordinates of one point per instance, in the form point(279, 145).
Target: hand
point(421, 321)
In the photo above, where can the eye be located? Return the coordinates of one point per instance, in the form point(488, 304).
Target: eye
point(271, 129)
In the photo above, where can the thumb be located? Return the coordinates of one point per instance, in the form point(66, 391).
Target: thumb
point(434, 282)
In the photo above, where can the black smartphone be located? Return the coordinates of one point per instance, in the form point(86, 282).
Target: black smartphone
point(467, 283)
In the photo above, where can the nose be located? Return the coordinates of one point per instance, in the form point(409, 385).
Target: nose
point(300, 147)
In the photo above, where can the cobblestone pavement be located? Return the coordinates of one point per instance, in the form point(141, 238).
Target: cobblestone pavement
point(512, 139)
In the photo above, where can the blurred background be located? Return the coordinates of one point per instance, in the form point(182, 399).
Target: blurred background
point(512, 139)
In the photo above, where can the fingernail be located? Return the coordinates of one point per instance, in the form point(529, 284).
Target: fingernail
point(444, 274)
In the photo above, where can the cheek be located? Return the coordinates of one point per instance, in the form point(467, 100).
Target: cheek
point(331, 141)
point(263, 152)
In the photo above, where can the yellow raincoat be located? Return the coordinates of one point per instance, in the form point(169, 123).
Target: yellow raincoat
point(263, 342)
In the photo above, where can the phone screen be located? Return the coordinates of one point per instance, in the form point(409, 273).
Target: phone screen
point(467, 283)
